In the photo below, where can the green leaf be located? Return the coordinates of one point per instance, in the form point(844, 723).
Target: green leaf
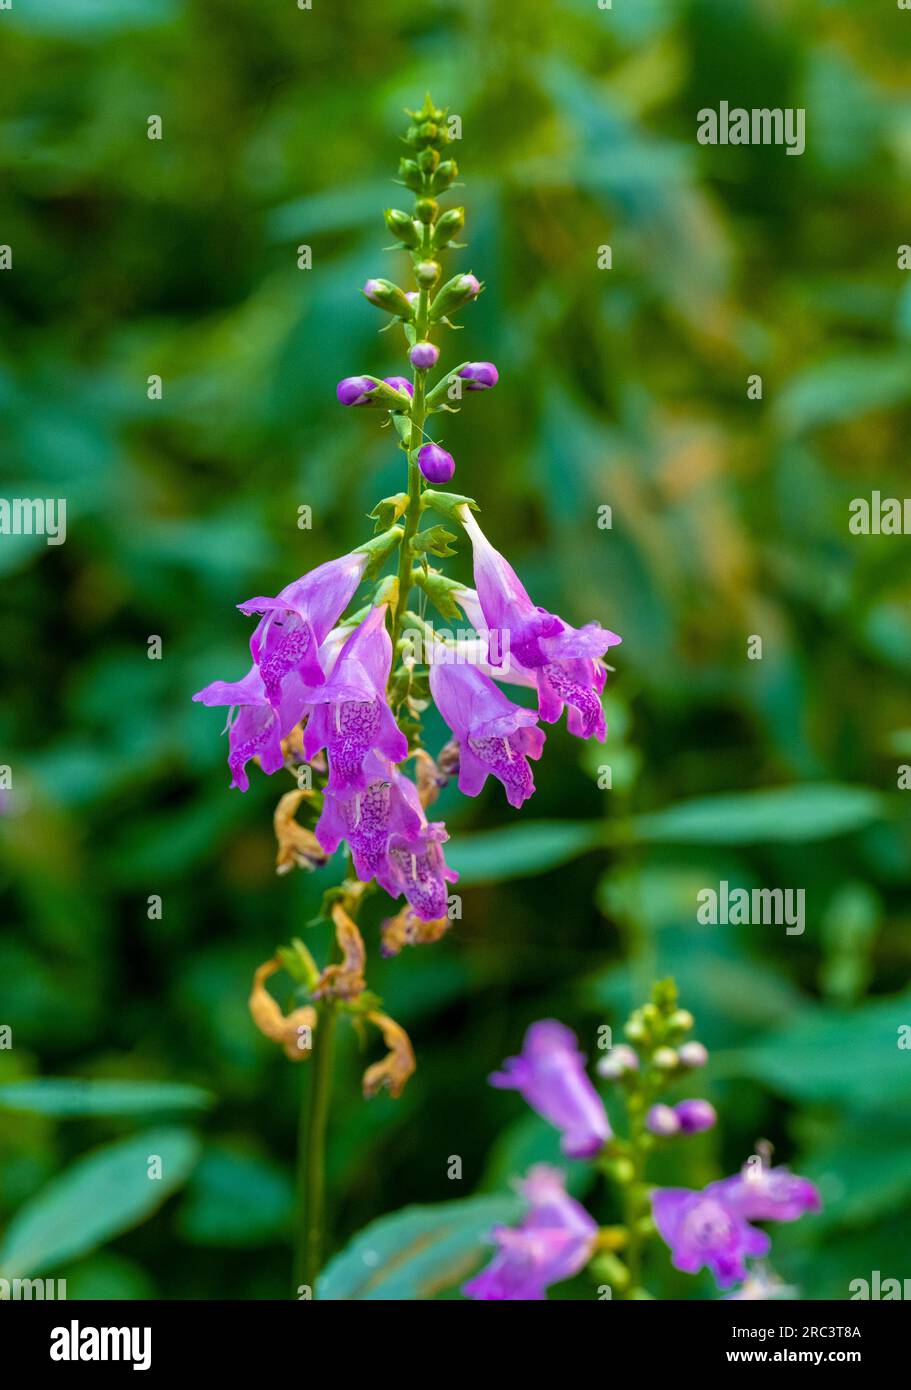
point(792, 814)
point(419, 1252)
point(840, 1055)
point(494, 856)
point(100, 1196)
point(66, 1099)
point(236, 1199)
point(436, 540)
point(844, 389)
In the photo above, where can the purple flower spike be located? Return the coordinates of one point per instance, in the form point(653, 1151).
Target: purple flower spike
point(550, 1075)
point(285, 645)
point(770, 1194)
point(355, 390)
point(704, 1229)
point(424, 355)
point(494, 735)
point(400, 383)
point(554, 1240)
point(436, 465)
point(695, 1116)
point(662, 1121)
point(566, 661)
point(349, 713)
point(481, 376)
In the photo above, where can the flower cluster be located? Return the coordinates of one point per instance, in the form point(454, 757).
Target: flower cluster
point(341, 691)
point(712, 1228)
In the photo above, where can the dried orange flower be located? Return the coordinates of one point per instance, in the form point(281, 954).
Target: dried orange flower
point(398, 1064)
point(294, 1031)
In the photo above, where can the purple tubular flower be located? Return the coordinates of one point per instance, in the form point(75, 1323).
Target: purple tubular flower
point(368, 819)
point(390, 837)
point(494, 735)
point(695, 1116)
point(349, 713)
point(285, 645)
point(704, 1229)
point(550, 1075)
point(355, 390)
point(400, 383)
point(770, 1194)
point(662, 1121)
point(256, 730)
point(436, 465)
point(554, 1240)
point(481, 376)
point(566, 661)
point(423, 355)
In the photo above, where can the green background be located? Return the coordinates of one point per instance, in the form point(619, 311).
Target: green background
point(624, 387)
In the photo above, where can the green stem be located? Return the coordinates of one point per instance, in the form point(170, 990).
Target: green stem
point(632, 1197)
point(311, 1155)
point(418, 418)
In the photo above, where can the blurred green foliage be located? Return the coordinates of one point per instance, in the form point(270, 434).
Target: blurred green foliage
point(623, 387)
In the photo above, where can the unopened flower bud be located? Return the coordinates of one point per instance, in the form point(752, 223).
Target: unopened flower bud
point(424, 355)
point(454, 294)
point(681, 1020)
point(425, 210)
point(355, 390)
point(665, 1058)
point(692, 1054)
point(662, 1121)
point(428, 160)
point(617, 1062)
point(436, 465)
point(444, 176)
point(480, 376)
point(695, 1116)
point(448, 226)
point(399, 383)
point(385, 295)
point(402, 226)
point(635, 1030)
point(410, 175)
point(428, 130)
point(427, 274)
point(394, 392)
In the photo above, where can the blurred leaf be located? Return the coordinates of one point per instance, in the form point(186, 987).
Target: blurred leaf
point(844, 1056)
point(812, 812)
point(67, 1098)
point(236, 1199)
point(417, 1253)
point(98, 1197)
point(533, 848)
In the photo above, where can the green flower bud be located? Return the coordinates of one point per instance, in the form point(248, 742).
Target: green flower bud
point(411, 175)
point(385, 295)
point(607, 1269)
point(635, 1030)
point(444, 176)
point(428, 131)
point(413, 135)
point(425, 210)
point(427, 274)
point(402, 226)
point(453, 295)
point(449, 226)
point(428, 160)
point(681, 1020)
point(665, 1058)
